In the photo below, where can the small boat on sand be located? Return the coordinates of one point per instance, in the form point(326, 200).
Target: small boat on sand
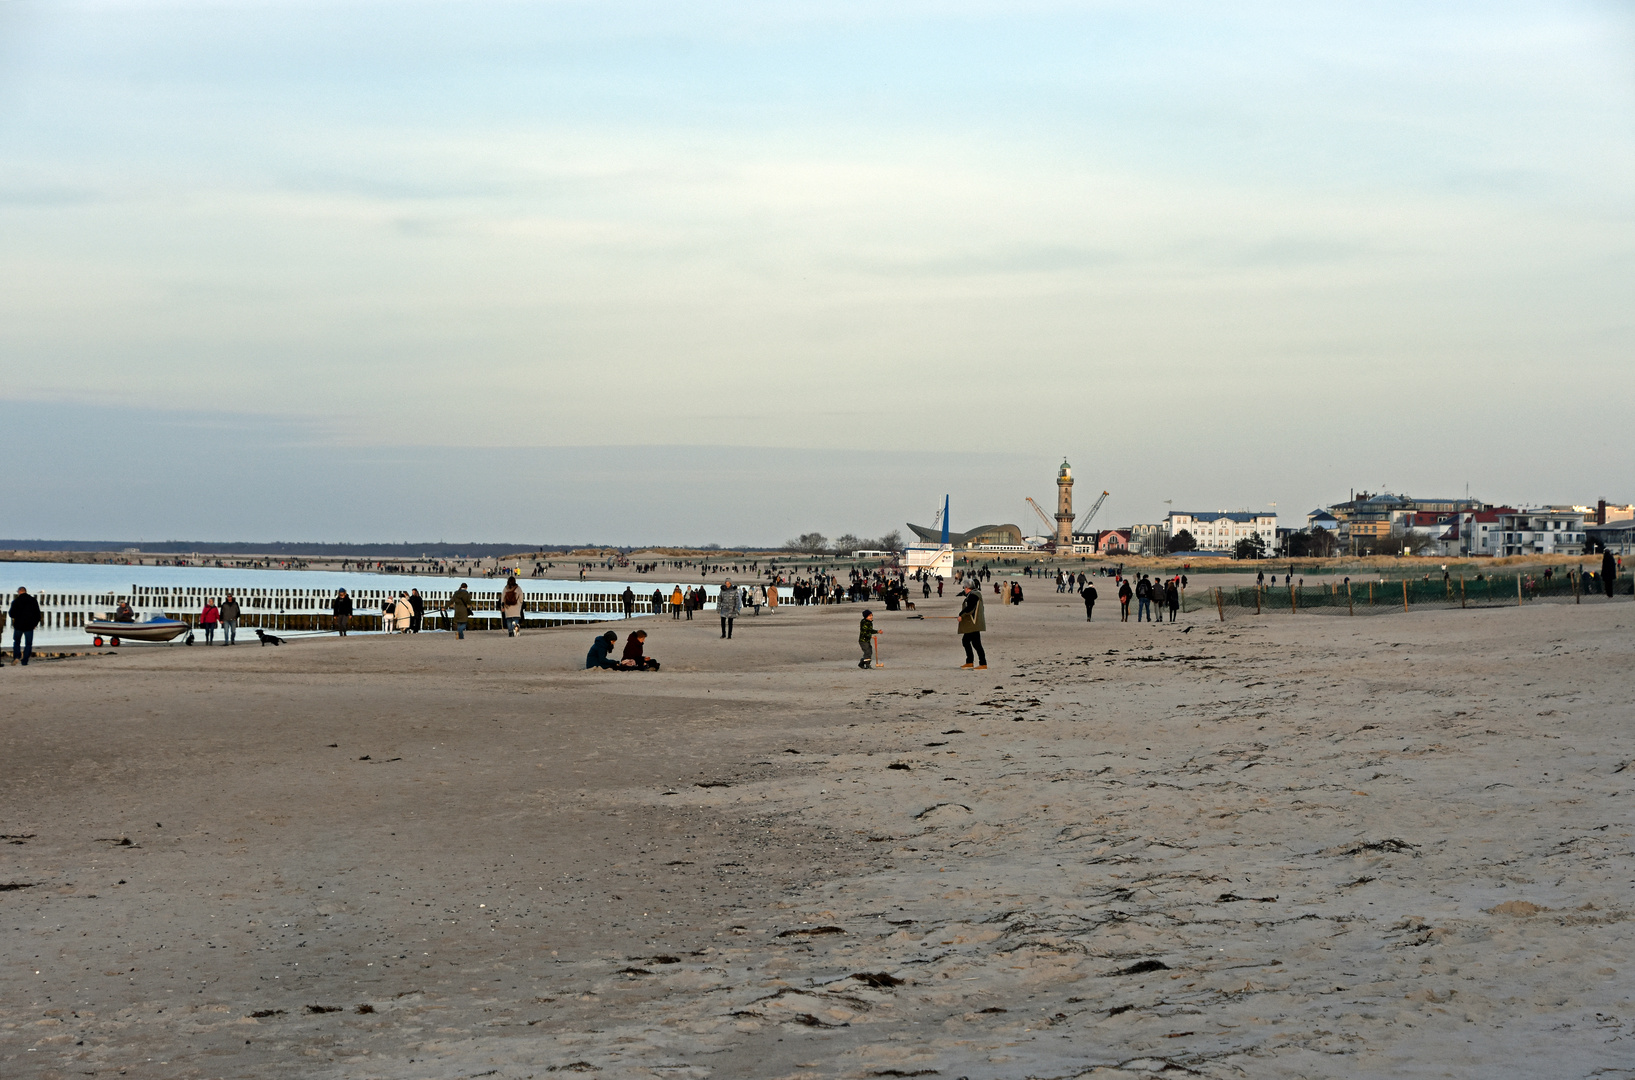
point(157, 628)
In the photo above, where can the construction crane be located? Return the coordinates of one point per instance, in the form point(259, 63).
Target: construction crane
point(1084, 523)
point(1050, 526)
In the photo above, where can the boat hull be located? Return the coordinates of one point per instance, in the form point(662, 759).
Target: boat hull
point(148, 631)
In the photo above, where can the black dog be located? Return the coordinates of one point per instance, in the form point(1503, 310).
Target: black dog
point(268, 639)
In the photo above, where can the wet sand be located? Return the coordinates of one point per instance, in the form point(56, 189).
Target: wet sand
point(1291, 847)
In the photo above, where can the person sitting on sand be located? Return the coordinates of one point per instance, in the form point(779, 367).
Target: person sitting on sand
point(601, 652)
point(633, 657)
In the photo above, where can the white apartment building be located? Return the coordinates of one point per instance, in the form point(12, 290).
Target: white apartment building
point(1221, 530)
point(1541, 532)
point(1479, 533)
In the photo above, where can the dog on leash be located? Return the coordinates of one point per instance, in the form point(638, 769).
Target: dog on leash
point(268, 639)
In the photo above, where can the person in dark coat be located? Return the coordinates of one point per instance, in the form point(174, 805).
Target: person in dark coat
point(633, 654)
point(601, 652)
point(1124, 595)
point(417, 604)
point(341, 608)
point(1609, 572)
point(1089, 594)
point(971, 624)
point(629, 598)
point(1172, 598)
point(25, 616)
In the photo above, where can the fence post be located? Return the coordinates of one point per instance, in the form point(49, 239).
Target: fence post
point(1350, 608)
point(1404, 594)
point(1370, 594)
point(1293, 606)
point(1518, 590)
point(1257, 599)
point(1220, 603)
point(1577, 578)
point(1461, 590)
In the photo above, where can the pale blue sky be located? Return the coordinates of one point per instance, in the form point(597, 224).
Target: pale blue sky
point(1220, 254)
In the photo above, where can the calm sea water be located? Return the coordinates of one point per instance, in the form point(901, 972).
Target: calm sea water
point(84, 588)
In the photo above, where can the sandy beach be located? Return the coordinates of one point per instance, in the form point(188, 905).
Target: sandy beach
point(1300, 846)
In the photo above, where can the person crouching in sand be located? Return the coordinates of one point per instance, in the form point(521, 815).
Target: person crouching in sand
point(601, 652)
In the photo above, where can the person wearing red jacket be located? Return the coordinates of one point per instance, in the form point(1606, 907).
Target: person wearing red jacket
point(208, 618)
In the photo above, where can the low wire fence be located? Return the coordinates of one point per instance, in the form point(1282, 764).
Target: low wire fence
point(1382, 596)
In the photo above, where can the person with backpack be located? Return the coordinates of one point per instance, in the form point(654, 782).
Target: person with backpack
point(511, 607)
point(1143, 599)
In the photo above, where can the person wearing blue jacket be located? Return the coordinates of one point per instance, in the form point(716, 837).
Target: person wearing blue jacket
point(601, 652)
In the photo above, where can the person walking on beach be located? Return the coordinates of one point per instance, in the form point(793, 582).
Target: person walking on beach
point(208, 618)
point(1143, 599)
point(658, 601)
point(1609, 573)
point(865, 639)
point(25, 616)
point(1089, 594)
point(511, 607)
point(461, 602)
point(417, 609)
point(676, 600)
point(970, 626)
point(727, 605)
point(229, 620)
point(1172, 598)
point(629, 598)
point(1124, 595)
point(341, 610)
